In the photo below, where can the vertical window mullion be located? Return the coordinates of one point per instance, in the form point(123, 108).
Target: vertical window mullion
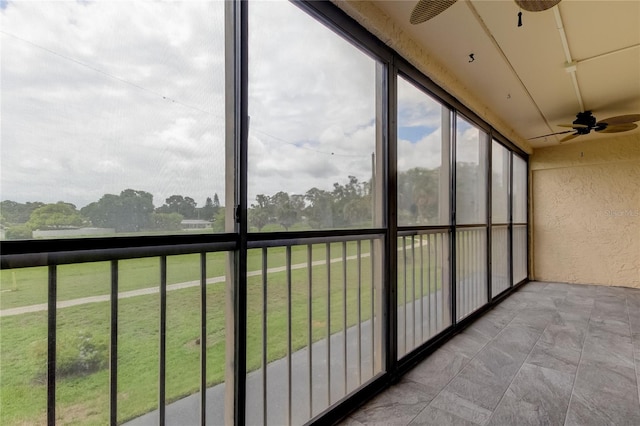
point(236, 144)
point(113, 352)
point(344, 315)
point(289, 331)
point(203, 339)
point(51, 344)
point(162, 364)
point(310, 325)
point(264, 334)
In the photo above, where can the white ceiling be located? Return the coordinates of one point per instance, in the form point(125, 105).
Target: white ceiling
point(519, 72)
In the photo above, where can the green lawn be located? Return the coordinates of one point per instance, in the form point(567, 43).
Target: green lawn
point(28, 286)
point(84, 400)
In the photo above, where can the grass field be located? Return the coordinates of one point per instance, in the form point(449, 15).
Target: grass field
point(84, 400)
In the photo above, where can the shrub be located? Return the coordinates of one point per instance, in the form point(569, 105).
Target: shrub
point(78, 355)
point(19, 232)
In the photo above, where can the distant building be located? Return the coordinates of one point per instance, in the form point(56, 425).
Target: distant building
point(74, 232)
point(195, 224)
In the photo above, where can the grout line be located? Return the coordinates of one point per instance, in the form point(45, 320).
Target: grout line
point(465, 365)
point(519, 369)
point(575, 379)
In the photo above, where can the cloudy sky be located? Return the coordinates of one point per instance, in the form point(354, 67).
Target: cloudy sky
point(97, 97)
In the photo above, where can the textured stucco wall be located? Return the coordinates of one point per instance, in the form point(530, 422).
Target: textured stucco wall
point(585, 196)
point(371, 17)
point(586, 212)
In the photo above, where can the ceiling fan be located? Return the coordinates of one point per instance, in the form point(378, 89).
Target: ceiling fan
point(427, 9)
point(585, 122)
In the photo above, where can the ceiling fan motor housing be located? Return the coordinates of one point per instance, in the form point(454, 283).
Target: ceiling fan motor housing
point(584, 119)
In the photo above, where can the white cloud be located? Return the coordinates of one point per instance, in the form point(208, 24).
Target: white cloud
point(102, 96)
point(98, 97)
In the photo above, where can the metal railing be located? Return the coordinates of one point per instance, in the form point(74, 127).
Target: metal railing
point(471, 270)
point(314, 327)
point(500, 278)
point(319, 334)
point(422, 287)
point(519, 248)
point(116, 297)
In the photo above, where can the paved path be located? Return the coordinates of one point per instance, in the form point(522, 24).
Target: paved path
point(186, 411)
point(153, 290)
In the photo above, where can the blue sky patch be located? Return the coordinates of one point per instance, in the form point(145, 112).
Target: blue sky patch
point(414, 133)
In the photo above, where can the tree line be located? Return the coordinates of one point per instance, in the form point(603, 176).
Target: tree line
point(346, 205)
point(130, 211)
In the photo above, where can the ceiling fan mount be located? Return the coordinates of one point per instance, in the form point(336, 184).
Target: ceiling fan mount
point(428, 9)
point(586, 122)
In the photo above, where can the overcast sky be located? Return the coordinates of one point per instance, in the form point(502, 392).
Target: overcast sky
point(98, 97)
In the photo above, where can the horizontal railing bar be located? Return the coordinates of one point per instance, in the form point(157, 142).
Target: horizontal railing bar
point(472, 225)
point(84, 244)
point(11, 261)
point(500, 225)
point(416, 228)
point(292, 235)
point(285, 242)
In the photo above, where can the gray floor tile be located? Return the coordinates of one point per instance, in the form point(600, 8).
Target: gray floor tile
point(555, 357)
point(551, 354)
point(520, 413)
point(600, 379)
point(577, 303)
point(517, 341)
point(574, 318)
point(398, 405)
point(533, 317)
point(536, 286)
point(468, 343)
point(350, 421)
point(490, 326)
point(569, 335)
point(610, 351)
point(438, 370)
point(485, 379)
point(436, 417)
point(587, 410)
point(608, 327)
point(604, 395)
point(461, 407)
point(537, 395)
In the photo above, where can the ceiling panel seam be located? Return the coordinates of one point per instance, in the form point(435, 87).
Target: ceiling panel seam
point(570, 65)
point(487, 31)
point(605, 54)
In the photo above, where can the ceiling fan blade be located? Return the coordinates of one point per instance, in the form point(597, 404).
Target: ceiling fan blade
point(536, 5)
point(551, 134)
point(617, 128)
point(620, 119)
point(427, 9)
point(568, 138)
point(575, 126)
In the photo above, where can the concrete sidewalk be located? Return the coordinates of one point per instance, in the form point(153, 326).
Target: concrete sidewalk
point(154, 290)
point(187, 410)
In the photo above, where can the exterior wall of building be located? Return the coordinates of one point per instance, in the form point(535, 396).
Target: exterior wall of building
point(585, 210)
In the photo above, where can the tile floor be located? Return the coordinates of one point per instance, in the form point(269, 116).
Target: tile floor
point(550, 354)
